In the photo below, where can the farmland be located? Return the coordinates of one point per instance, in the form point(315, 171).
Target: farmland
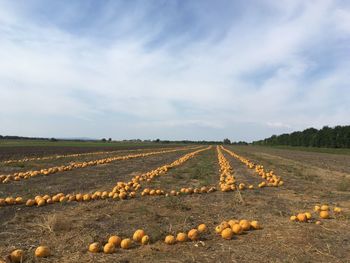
point(82, 195)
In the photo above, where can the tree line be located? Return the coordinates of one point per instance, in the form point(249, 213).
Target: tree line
point(12, 137)
point(225, 141)
point(328, 137)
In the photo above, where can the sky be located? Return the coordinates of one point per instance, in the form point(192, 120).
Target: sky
point(173, 69)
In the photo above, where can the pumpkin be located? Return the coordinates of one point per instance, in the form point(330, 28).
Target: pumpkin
point(104, 195)
point(109, 248)
point(308, 215)
point(317, 208)
point(255, 224)
point(224, 225)
point(122, 195)
point(318, 222)
point(126, 243)
point(42, 252)
point(237, 229)
point(17, 256)
point(10, 200)
point(337, 210)
point(293, 218)
point(46, 197)
point(170, 240)
point(41, 202)
point(193, 234)
point(19, 200)
point(115, 240)
point(63, 199)
point(218, 229)
point(227, 233)
point(245, 224)
point(324, 208)
point(79, 197)
point(202, 228)
point(86, 197)
point(324, 214)
point(181, 237)
point(301, 217)
point(30, 202)
point(233, 222)
point(138, 235)
point(95, 247)
point(145, 240)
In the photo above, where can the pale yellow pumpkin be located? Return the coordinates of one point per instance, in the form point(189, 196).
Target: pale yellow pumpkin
point(255, 224)
point(95, 247)
point(170, 240)
point(145, 240)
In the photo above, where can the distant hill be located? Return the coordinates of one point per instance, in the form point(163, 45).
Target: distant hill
point(336, 137)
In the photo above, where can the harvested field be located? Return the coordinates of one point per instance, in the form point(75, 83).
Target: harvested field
point(68, 228)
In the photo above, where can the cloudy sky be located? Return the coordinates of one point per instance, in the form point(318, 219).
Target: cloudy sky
point(173, 69)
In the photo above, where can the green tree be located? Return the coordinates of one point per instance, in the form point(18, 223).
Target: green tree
point(227, 141)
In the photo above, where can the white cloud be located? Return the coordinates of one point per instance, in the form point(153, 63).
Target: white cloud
point(53, 74)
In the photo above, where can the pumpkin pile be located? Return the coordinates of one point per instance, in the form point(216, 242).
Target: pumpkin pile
point(122, 191)
point(323, 212)
point(53, 157)
point(182, 191)
point(115, 242)
point(302, 217)
point(18, 255)
point(135, 183)
point(270, 178)
point(76, 165)
point(192, 235)
point(29, 159)
point(227, 181)
point(227, 229)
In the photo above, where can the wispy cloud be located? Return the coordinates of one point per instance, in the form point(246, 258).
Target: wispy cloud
point(151, 69)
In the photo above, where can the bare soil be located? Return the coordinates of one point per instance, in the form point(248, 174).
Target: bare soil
point(18, 152)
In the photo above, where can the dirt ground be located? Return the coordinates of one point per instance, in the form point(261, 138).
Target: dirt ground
point(18, 152)
point(69, 228)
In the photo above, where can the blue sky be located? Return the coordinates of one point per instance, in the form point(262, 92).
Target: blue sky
point(173, 69)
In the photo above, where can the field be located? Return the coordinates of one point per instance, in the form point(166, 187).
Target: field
point(68, 226)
